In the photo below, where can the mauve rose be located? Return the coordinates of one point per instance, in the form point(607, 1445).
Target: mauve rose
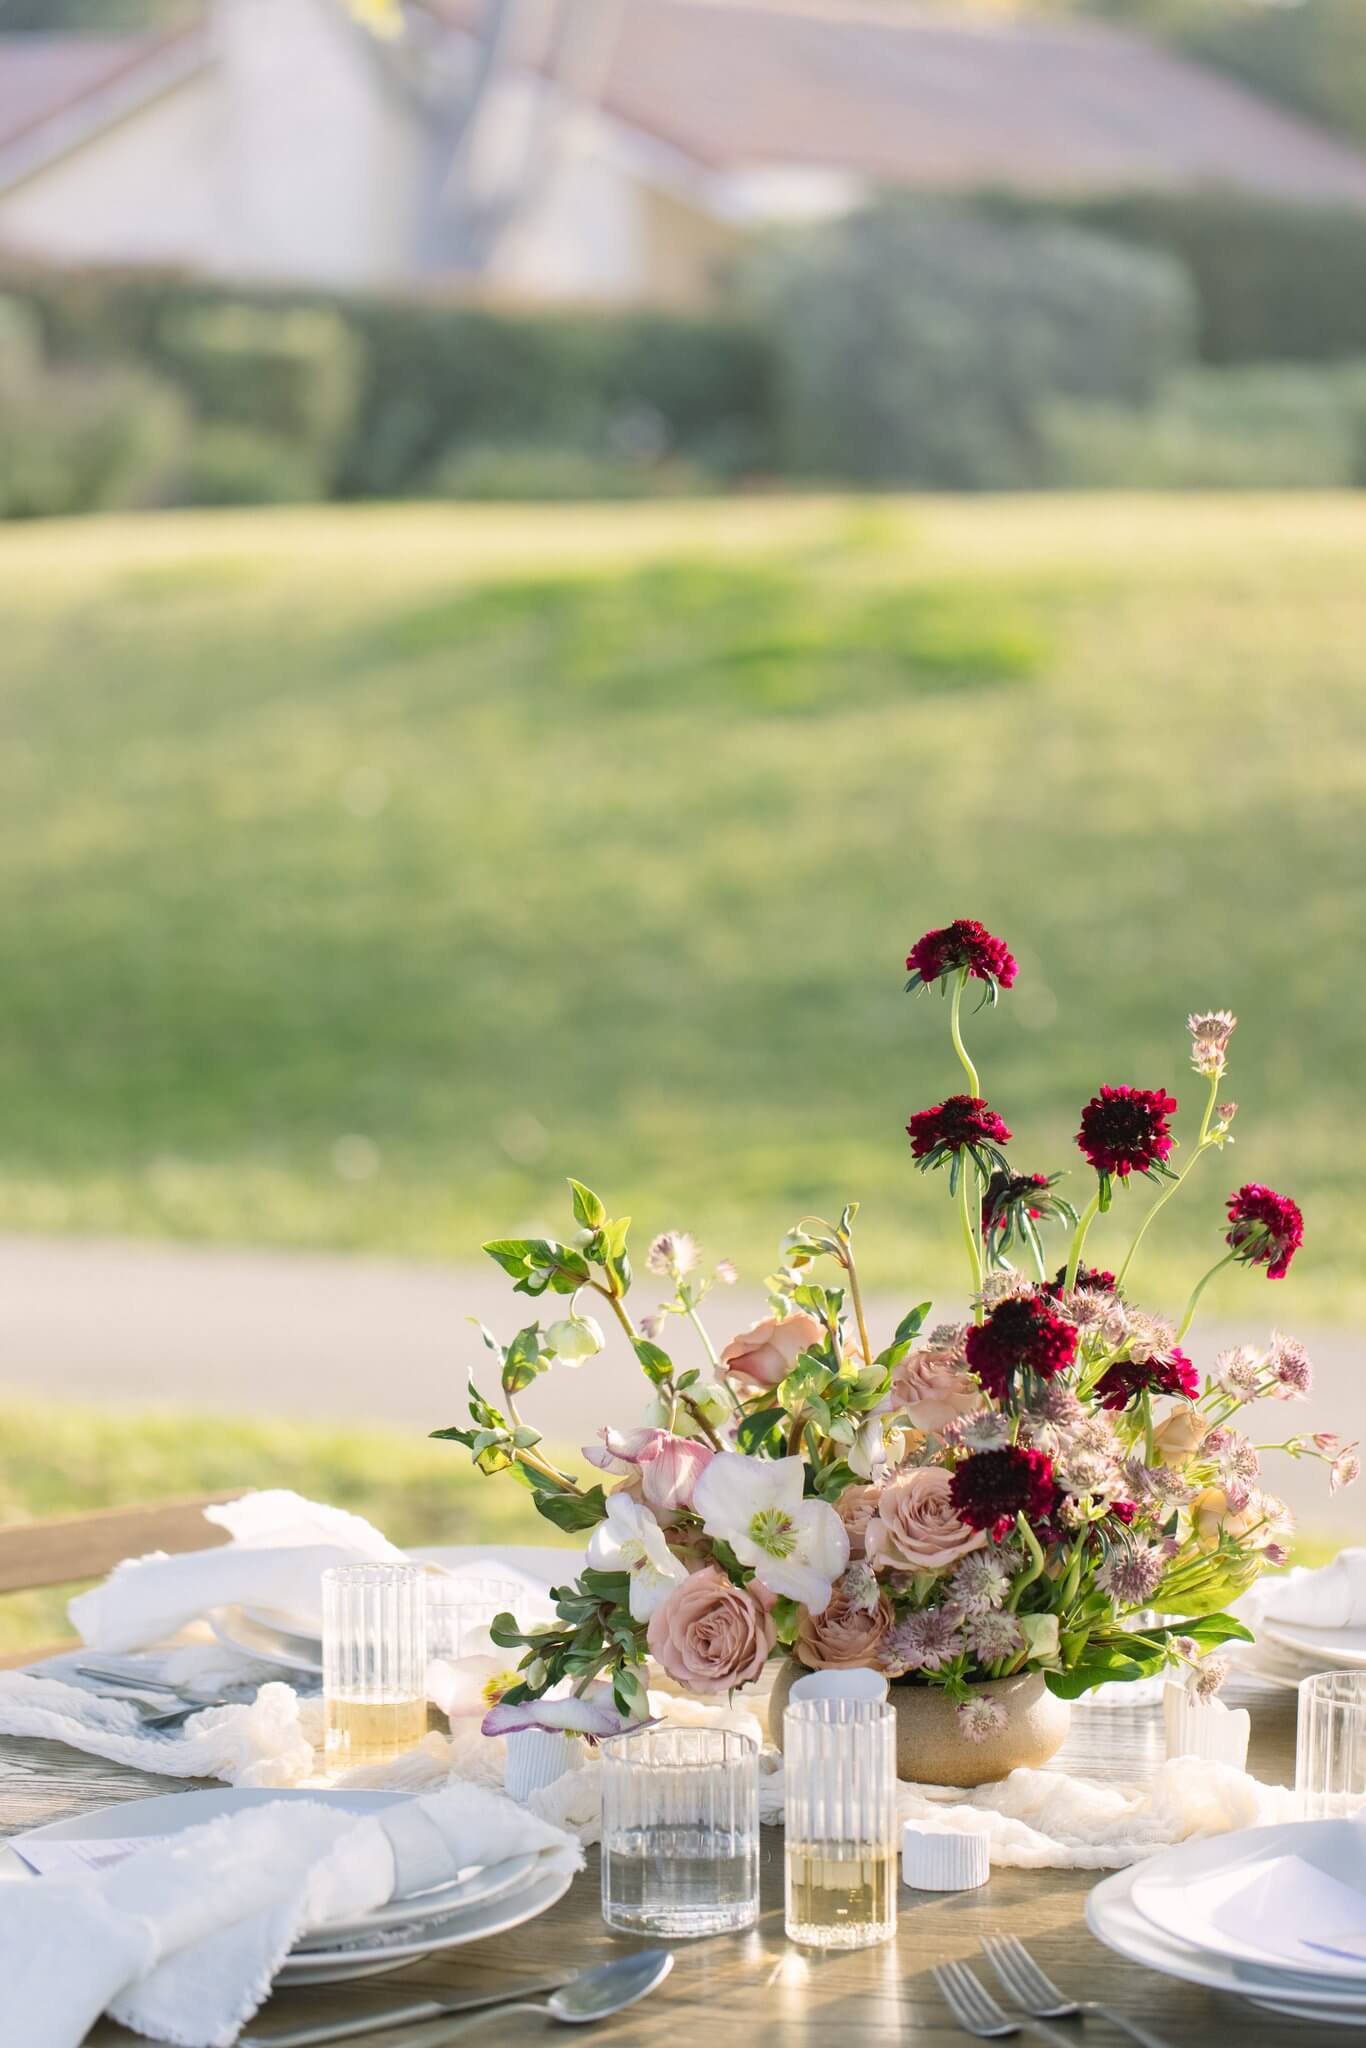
point(711, 1634)
point(844, 1636)
point(767, 1351)
point(932, 1390)
point(916, 1528)
point(856, 1507)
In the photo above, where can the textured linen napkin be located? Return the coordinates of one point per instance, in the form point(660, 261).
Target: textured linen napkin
point(182, 1940)
point(281, 1545)
point(1334, 1597)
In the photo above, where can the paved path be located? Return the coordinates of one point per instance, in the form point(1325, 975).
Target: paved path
point(358, 1339)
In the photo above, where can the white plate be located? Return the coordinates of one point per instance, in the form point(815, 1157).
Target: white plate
point(1114, 1919)
point(1323, 1647)
point(391, 1950)
point(1163, 1892)
point(473, 1887)
point(268, 1645)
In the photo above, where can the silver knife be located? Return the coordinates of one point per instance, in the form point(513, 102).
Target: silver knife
point(397, 2016)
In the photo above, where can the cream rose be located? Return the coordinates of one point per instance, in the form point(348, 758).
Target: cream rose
point(1179, 1435)
point(767, 1351)
point(932, 1390)
point(711, 1634)
point(847, 1633)
point(916, 1528)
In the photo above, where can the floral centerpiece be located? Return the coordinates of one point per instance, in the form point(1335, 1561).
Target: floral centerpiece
point(955, 1504)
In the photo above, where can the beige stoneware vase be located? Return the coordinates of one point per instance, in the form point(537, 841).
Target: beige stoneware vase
point(930, 1750)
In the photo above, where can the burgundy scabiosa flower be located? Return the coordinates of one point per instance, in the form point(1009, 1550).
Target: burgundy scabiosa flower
point(1168, 1373)
point(1014, 1205)
point(991, 1488)
point(1022, 1334)
point(961, 1123)
point(1124, 1131)
point(964, 943)
point(1266, 1229)
point(1092, 1278)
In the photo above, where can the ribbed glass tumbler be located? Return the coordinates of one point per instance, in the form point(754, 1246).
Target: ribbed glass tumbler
point(839, 1773)
point(374, 1661)
point(1330, 1745)
point(680, 1831)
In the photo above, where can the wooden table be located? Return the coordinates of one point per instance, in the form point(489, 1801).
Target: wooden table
point(756, 1988)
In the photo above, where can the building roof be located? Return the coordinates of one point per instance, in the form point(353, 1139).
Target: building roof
point(57, 89)
point(918, 97)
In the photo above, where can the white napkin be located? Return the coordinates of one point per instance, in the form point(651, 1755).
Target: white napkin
point(281, 1546)
point(1284, 1909)
point(182, 1941)
point(1334, 1597)
point(269, 1742)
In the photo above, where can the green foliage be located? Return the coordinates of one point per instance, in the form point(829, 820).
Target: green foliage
point(289, 375)
point(917, 343)
point(1311, 55)
point(1268, 428)
point(519, 471)
point(1120, 1655)
point(231, 465)
point(82, 441)
point(1272, 281)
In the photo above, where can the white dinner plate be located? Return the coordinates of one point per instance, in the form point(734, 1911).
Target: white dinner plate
point(1323, 1648)
point(390, 1949)
point(1114, 1919)
point(1182, 1893)
point(256, 1638)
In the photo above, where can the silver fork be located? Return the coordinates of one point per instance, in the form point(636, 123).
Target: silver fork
point(977, 2012)
point(1038, 1995)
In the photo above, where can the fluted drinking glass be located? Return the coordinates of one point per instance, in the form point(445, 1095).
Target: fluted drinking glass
point(459, 1611)
point(1330, 1745)
point(680, 1831)
point(374, 1662)
point(839, 1773)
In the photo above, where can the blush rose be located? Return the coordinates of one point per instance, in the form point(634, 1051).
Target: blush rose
point(711, 1634)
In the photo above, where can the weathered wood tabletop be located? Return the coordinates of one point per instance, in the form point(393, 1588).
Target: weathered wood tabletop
point(756, 1986)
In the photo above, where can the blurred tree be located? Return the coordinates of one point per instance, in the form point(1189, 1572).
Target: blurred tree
point(102, 17)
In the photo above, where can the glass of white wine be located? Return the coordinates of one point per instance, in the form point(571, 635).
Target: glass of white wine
point(374, 1662)
point(839, 1768)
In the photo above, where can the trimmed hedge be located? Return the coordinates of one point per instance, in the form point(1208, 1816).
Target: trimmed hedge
point(430, 377)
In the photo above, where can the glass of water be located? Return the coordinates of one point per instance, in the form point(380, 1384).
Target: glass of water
point(680, 1831)
point(1330, 1745)
point(839, 1771)
point(459, 1610)
point(374, 1662)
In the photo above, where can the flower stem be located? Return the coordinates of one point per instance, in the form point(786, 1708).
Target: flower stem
point(1087, 1218)
point(1169, 1188)
point(1200, 1286)
point(972, 1227)
point(856, 1297)
point(974, 1085)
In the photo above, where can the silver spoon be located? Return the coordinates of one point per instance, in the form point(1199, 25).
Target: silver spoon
point(594, 1994)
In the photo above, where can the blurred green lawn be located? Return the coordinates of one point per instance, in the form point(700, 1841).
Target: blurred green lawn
point(518, 842)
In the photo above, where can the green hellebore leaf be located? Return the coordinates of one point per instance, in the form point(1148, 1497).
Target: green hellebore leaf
point(588, 1209)
point(573, 1511)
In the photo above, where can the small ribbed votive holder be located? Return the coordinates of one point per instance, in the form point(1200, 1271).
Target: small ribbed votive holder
point(1204, 1728)
point(943, 1863)
point(537, 1757)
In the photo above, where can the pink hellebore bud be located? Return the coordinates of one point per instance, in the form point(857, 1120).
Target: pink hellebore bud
point(668, 1467)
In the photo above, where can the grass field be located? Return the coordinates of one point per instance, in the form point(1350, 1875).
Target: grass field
point(363, 872)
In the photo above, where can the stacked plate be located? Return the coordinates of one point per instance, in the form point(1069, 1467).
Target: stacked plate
point(477, 1903)
point(1286, 1652)
point(1276, 1915)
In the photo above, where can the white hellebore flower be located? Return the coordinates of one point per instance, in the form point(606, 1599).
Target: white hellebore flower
point(574, 1339)
point(631, 1540)
point(797, 1547)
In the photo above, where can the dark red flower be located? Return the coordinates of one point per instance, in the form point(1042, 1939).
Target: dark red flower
point(990, 1488)
point(964, 943)
point(1022, 1333)
point(1090, 1277)
point(1015, 1191)
point(1267, 1228)
point(1123, 1511)
point(1175, 1374)
point(1125, 1130)
point(963, 1122)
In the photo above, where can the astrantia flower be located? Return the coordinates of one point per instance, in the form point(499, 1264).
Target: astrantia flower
point(797, 1547)
point(1123, 1382)
point(1207, 1677)
point(991, 1488)
point(673, 1253)
point(1022, 1334)
point(1345, 1470)
point(1291, 1368)
point(994, 1634)
point(1125, 1130)
point(980, 1717)
point(1267, 1229)
point(1210, 1032)
point(924, 1641)
point(961, 1123)
point(981, 1581)
point(1133, 1572)
point(964, 943)
point(1238, 1372)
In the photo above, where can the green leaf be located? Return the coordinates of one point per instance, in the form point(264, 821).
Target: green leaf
point(911, 1324)
point(657, 1364)
point(524, 1360)
point(588, 1210)
point(506, 1633)
point(573, 1511)
point(755, 1429)
point(455, 1435)
point(832, 1480)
